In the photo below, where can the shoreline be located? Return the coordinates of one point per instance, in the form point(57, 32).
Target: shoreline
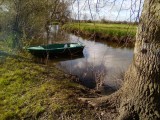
point(31, 90)
point(87, 31)
point(35, 91)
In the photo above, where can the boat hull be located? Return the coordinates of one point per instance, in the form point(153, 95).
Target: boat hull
point(51, 53)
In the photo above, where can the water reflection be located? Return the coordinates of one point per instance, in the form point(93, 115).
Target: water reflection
point(99, 59)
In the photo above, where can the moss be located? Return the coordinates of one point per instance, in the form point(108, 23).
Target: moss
point(33, 91)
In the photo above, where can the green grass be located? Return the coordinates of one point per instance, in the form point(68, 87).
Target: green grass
point(33, 91)
point(103, 30)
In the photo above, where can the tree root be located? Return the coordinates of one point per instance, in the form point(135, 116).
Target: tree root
point(108, 104)
point(103, 101)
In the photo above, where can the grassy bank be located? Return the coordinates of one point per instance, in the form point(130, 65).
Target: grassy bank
point(113, 32)
point(35, 91)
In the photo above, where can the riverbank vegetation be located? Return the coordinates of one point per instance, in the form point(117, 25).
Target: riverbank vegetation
point(36, 91)
point(31, 90)
point(121, 33)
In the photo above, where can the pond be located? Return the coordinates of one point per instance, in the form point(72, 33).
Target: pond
point(101, 62)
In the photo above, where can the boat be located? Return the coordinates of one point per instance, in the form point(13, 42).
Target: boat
point(53, 50)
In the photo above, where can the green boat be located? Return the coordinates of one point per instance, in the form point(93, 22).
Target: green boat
point(53, 50)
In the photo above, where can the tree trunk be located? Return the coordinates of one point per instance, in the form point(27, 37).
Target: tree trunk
point(17, 33)
point(141, 90)
point(17, 25)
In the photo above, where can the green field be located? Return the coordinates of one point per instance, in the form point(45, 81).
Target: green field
point(103, 31)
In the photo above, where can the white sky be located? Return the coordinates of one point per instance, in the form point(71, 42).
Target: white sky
point(120, 10)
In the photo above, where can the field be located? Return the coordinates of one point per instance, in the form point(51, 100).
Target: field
point(116, 32)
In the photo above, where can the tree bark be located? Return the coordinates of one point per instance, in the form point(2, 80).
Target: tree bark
point(141, 90)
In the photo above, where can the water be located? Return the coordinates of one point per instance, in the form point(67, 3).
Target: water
point(101, 62)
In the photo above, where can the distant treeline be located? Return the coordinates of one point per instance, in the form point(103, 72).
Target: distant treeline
point(105, 21)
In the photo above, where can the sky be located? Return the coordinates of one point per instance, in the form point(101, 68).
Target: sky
point(120, 10)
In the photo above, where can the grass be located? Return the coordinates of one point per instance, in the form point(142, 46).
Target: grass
point(103, 31)
point(34, 91)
